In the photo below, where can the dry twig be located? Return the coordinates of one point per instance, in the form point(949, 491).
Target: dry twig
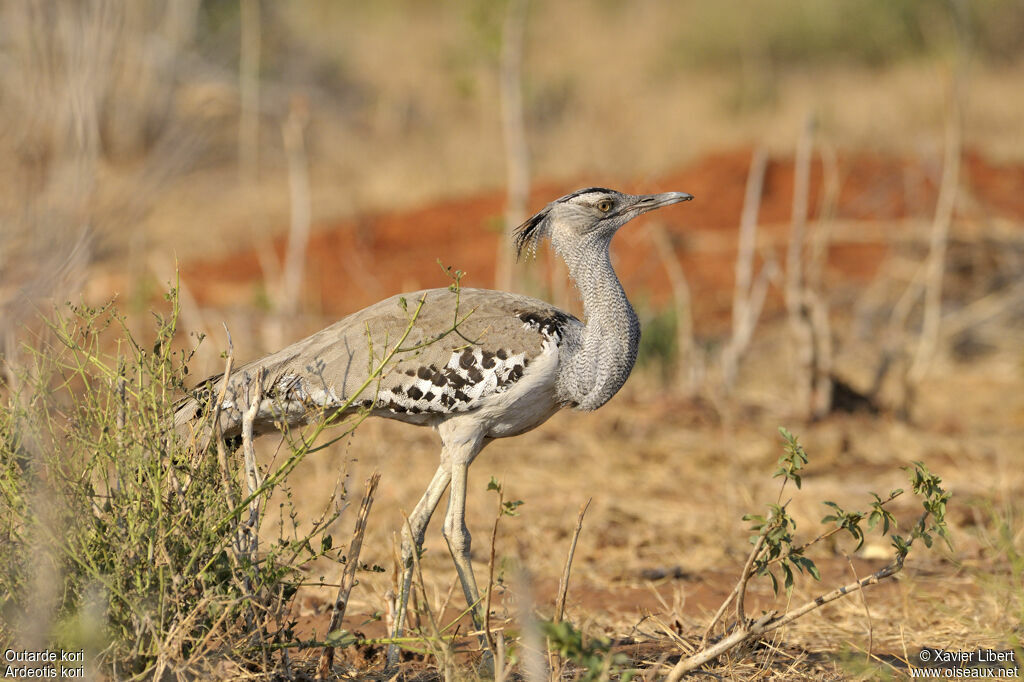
point(772, 621)
point(744, 313)
point(797, 304)
point(687, 369)
point(348, 578)
point(513, 128)
point(867, 612)
point(563, 586)
point(935, 265)
point(248, 537)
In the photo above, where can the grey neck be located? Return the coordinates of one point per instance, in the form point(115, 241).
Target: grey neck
point(600, 361)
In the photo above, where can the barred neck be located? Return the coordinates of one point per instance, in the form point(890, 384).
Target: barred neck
point(606, 350)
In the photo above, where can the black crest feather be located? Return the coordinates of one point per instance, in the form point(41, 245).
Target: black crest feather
point(529, 234)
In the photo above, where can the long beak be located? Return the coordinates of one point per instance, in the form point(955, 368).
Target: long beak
point(649, 202)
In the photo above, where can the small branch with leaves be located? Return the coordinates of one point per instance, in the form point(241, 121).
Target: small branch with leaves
point(775, 551)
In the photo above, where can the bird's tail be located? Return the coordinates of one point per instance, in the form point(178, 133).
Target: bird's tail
point(191, 413)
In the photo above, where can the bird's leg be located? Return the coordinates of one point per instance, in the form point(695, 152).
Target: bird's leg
point(412, 540)
point(457, 535)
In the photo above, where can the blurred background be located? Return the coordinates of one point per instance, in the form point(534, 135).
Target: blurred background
point(158, 131)
point(851, 265)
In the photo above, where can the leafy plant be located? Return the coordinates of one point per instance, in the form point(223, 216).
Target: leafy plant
point(775, 550)
point(136, 527)
point(592, 654)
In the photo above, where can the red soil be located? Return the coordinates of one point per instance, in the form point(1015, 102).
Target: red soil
point(354, 262)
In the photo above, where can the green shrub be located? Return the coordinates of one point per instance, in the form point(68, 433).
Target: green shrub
point(134, 528)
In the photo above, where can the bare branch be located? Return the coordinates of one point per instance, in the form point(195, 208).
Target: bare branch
point(513, 128)
point(686, 363)
point(867, 611)
point(293, 131)
point(935, 265)
point(743, 312)
point(772, 621)
point(348, 578)
point(563, 586)
point(249, 88)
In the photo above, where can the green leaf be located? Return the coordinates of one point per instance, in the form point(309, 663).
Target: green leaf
point(509, 508)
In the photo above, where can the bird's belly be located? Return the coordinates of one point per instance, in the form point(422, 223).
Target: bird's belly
point(525, 405)
point(513, 416)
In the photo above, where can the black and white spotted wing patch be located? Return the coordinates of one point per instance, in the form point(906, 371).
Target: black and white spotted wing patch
point(469, 376)
point(550, 323)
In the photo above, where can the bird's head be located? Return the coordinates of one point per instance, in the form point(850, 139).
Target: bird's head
point(587, 218)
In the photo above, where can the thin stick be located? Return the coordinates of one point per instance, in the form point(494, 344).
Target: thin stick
point(500, 673)
point(906, 655)
point(796, 285)
point(292, 131)
point(435, 629)
point(563, 586)
point(741, 585)
point(743, 318)
point(983, 309)
point(247, 536)
point(533, 668)
point(513, 128)
point(249, 90)
point(248, 545)
point(936, 263)
point(215, 432)
point(348, 578)
point(772, 621)
point(821, 391)
point(490, 575)
point(867, 612)
point(686, 363)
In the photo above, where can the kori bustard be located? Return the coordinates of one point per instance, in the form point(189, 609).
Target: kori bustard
point(511, 363)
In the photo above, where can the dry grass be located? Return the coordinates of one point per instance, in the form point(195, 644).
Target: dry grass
point(670, 482)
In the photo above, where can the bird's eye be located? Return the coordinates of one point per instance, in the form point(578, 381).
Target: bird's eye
point(604, 205)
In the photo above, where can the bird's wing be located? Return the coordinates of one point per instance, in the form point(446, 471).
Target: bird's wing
point(460, 348)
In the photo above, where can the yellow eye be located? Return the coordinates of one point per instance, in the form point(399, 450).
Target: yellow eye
point(604, 205)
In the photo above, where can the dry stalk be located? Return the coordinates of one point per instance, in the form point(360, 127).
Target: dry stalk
point(772, 621)
point(796, 288)
point(935, 264)
point(443, 608)
point(822, 237)
point(292, 132)
point(687, 369)
point(743, 313)
point(213, 433)
point(821, 391)
point(348, 578)
point(534, 668)
point(513, 128)
point(563, 585)
point(501, 671)
point(490, 575)
point(736, 593)
point(435, 630)
point(248, 538)
point(249, 89)
point(983, 309)
point(867, 611)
